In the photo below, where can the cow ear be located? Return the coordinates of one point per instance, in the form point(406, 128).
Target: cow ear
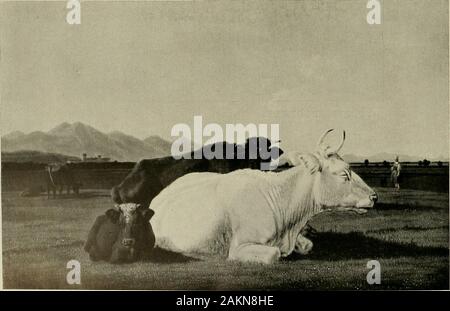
point(290, 158)
point(113, 215)
point(148, 214)
point(311, 162)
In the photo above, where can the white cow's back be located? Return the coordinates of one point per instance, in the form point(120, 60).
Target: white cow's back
point(202, 212)
point(187, 216)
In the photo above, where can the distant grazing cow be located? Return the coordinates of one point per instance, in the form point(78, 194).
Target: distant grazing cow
point(60, 176)
point(149, 177)
point(257, 216)
point(121, 235)
point(32, 191)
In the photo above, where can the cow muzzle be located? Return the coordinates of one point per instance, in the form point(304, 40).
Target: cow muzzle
point(366, 203)
point(374, 197)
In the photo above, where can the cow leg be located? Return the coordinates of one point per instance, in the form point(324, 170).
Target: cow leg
point(255, 253)
point(302, 245)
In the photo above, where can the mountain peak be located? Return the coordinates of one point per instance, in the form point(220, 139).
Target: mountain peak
point(62, 128)
point(81, 124)
point(68, 129)
point(78, 138)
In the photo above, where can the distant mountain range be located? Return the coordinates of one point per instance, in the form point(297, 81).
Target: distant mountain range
point(68, 142)
point(78, 138)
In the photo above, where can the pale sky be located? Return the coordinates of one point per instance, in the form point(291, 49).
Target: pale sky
point(141, 67)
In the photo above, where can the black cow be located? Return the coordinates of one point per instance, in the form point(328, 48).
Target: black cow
point(149, 177)
point(122, 235)
point(60, 176)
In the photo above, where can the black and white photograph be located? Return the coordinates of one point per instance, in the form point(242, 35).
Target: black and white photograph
point(224, 145)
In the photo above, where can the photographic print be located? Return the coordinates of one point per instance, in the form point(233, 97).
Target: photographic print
point(225, 145)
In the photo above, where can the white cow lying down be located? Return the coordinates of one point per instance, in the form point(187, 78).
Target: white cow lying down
point(256, 216)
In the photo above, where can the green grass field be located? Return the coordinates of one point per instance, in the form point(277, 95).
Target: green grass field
point(407, 233)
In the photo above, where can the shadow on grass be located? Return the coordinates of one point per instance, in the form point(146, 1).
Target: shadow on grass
point(408, 228)
point(404, 207)
point(333, 246)
point(159, 255)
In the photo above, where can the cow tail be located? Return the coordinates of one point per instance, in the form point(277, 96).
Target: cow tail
point(50, 175)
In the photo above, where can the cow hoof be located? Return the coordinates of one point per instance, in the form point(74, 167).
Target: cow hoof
point(274, 257)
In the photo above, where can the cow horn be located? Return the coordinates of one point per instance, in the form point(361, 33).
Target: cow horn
point(340, 145)
point(323, 137)
point(342, 142)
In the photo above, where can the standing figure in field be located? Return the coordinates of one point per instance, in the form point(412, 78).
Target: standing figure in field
point(395, 173)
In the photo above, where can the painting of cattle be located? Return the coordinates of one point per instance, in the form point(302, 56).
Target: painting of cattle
point(225, 145)
point(261, 213)
point(310, 217)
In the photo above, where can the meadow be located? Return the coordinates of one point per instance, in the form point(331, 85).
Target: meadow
point(407, 233)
